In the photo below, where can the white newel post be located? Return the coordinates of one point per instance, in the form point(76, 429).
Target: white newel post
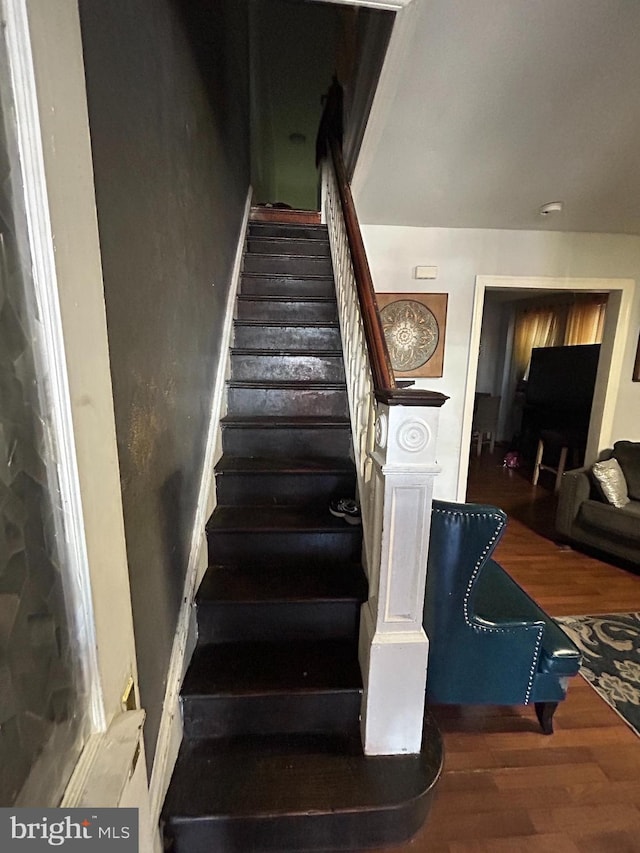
point(393, 646)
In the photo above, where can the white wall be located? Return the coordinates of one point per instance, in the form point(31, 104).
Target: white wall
point(461, 255)
point(486, 110)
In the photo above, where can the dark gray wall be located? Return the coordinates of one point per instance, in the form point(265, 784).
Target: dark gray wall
point(167, 86)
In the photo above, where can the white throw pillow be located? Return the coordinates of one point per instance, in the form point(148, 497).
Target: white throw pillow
point(612, 482)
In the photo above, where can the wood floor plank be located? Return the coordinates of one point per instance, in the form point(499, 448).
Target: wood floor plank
point(609, 842)
point(603, 817)
point(482, 800)
point(618, 762)
point(554, 842)
point(507, 788)
point(536, 777)
point(502, 823)
point(627, 791)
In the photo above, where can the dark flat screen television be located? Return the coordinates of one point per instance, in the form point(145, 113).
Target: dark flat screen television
point(563, 378)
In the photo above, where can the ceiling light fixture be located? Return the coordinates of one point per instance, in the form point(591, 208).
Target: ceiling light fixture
point(552, 207)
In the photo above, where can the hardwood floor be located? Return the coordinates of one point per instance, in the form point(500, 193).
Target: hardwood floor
point(507, 788)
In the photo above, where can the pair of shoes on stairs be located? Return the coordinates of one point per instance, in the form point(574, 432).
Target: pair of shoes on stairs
point(347, 509)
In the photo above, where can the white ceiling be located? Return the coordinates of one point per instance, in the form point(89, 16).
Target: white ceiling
point(501, 106)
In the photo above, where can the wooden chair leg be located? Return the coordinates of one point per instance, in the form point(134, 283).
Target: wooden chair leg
point(493, 442)
point(544, 713)
point(561, 467)
point(479, 447)
point(536, 467)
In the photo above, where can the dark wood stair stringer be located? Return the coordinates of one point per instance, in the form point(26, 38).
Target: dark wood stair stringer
point(271, 758)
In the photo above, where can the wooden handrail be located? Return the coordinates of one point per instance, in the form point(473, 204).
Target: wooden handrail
point(378, 351)
point(387, 389)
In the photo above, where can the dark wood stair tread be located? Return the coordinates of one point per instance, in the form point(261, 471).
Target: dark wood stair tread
point(286, 421)
point(250, 669)
point(296, 324)
point(276, 465)
point(288, 229)
point(285, 384)
point(287, 257)
point(322, 238)
point(296, 774)
point(274, 353)
point(318, 582)
point(269, 298)
point(276, 519)
point(284, 215)
point(285, 276)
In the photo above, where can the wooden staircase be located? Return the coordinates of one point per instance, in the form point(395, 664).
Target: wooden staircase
point(271, 758)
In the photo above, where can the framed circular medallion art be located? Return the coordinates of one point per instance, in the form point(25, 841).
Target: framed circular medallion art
point(414, 327)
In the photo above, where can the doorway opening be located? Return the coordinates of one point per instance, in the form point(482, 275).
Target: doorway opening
point(616, 324)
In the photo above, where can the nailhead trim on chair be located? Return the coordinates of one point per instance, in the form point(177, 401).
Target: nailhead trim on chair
point(534, 664)
point(472, 579)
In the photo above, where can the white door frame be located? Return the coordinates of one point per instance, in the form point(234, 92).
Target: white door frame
point(47, 72)
point(50, 343)
point(616, 331)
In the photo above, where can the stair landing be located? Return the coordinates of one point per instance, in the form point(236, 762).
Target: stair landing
point(298, 792)
point(260, 213)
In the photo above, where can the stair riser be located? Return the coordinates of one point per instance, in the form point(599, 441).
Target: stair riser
point(288, 264)
point(287, 401)
point(278, 311)
point(267, 489)
point(290, 548)
point(287, 337)
point(280, 713)
point(296, 368)
point(288, 246)
point(311, 232)
point(294, 833)
point(286, 443)
point(281, 286)
point(230, 622)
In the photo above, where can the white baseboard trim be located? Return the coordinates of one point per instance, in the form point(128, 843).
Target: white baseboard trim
point(111, 773)
point(170, 732)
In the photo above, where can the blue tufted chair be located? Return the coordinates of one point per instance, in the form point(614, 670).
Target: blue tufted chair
point(489, 642)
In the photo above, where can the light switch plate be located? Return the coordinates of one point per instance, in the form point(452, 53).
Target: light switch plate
point(426, 272)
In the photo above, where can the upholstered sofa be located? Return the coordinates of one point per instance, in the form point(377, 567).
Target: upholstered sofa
point(489, 642)
point(585, 517)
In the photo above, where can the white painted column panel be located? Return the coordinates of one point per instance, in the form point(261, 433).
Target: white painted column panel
point(393, 645)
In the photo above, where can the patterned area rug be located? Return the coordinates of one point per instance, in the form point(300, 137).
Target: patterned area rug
point(610, 646)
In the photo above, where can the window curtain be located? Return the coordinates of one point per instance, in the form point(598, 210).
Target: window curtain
point(558, 324)
point(535, 327)
point(585, 321)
